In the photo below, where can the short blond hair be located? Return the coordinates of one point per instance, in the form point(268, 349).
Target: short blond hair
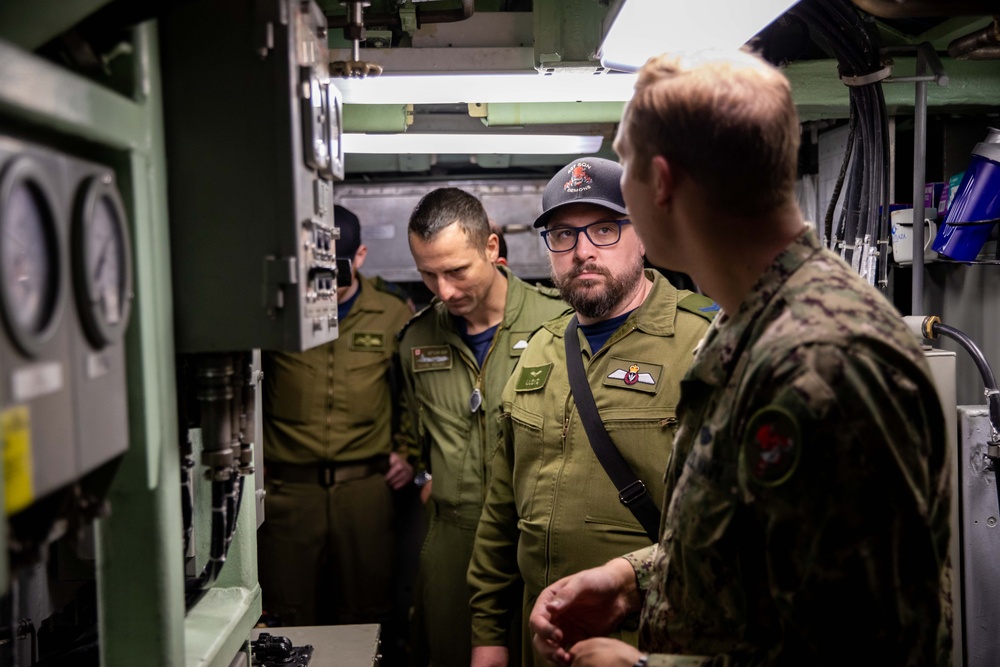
point(728, 122)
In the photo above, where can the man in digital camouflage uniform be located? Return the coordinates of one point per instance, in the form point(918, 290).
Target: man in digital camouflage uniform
point(456, 356)
point(552, 510)
point(806, 520)
point(333, 453)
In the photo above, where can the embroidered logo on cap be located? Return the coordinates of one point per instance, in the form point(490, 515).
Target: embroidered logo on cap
point(579, 179)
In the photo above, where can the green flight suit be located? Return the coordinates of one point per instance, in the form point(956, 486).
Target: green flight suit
point(326, 546)
point(808, 494)
point(440, 373)
point(552, 510)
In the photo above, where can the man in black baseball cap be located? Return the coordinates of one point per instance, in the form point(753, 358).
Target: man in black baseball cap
point(589, 180)
point(634, 336)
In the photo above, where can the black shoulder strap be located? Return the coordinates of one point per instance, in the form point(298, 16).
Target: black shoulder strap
point(631, 491)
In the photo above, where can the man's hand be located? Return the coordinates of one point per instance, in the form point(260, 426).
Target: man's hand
point(400, 472)
point(425, 491)
point(587, 604)
point(489, 656)
point(603, 652)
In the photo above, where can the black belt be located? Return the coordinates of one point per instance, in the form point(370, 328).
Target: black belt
point(327, 473)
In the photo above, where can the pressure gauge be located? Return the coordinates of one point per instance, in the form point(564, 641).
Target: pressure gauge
point(335, 131)
point(102, 261)
point(30, 295)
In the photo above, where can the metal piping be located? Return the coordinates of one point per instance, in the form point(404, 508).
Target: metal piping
point(423, 16)
point(899, 9)
point(969, 46)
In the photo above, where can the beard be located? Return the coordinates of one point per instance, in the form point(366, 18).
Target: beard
point(592, 299)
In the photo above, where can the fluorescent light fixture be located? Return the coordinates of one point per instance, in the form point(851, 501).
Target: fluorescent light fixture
point(487, 87)
point(646, 28)
point(472, 143)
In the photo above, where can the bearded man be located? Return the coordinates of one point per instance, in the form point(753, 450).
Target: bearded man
point(552, 509)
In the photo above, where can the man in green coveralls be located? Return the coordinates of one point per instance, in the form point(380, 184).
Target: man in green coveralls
point(456, 356)
point(807, 500)
point(333, 453)
point(552, 510)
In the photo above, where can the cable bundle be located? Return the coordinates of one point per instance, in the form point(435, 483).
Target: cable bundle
point(861, 234)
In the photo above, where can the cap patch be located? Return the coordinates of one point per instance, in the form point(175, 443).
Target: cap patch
point(771, 447)
point(580, 179)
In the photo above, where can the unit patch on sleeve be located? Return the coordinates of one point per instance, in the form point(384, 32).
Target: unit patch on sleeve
point(532, 378)
point(771, 447)
point(431, 358)
point(369, 341)
point(632, 374)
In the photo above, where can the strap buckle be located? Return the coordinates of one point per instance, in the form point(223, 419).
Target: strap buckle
point(632, 492)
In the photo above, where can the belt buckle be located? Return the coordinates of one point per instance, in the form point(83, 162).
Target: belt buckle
point(327, 478)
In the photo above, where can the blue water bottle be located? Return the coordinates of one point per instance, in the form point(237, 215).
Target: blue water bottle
point(977, 201)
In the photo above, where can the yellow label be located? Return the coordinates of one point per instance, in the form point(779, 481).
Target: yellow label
point(15, 429)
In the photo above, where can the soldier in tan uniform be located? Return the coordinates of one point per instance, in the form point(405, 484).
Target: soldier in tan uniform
point(333, 453)
point(456, 356)
point(552, 510)
point(807, 500)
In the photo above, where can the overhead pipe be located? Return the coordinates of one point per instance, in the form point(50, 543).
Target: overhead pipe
point(901, 9)
point(423, 16)
point(979, 45)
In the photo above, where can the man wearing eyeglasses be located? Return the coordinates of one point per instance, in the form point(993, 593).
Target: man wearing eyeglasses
point(552, 508)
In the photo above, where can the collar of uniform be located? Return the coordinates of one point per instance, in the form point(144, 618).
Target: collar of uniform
point(655, 315)
point(368, 300)
point(726, 338)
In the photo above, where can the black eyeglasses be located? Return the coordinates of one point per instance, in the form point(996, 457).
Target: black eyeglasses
point(601, 233)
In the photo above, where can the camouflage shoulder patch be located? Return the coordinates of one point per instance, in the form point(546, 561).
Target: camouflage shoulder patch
point(368, 341)
point(772, 446)
point(632, 374)
point(533, 378)
point(431, 358)
point(700, 305)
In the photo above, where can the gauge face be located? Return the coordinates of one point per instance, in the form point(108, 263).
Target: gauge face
point(29, 254)
point(102, 262)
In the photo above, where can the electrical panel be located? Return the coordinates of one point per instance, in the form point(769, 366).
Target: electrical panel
point(65, 298)
point(253, 128)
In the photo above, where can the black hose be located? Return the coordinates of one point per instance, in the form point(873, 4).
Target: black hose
point(989, 380)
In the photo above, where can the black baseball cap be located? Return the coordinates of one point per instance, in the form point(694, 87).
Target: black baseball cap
point(588, 180)
point(350, 232)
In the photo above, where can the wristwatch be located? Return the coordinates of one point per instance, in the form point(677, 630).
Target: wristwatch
point(643, 661)
point(421, 478)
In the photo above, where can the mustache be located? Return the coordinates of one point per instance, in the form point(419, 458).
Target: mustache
point(586, 268)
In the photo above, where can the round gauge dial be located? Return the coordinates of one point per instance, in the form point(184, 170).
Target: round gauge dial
point(102, 261)
point(29, 255)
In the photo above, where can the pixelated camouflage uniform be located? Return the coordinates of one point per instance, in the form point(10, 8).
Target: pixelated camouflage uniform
point(551, 509)
point(807, 520)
